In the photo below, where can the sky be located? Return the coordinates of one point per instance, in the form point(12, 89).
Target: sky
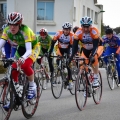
point(111, 16)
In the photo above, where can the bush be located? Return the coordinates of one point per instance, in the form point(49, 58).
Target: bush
point(2, 69)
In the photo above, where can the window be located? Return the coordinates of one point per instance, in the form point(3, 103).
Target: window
point(83, 10)
point(96, 17)
point(74, 14)
point(88, 12)
point(45, 10)
point(3, 9)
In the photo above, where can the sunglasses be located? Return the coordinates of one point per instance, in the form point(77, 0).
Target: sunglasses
point(86, 26)
point(13, 24)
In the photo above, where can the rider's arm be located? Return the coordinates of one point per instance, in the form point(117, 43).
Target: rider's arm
point(28, 46)
point(2, 43)
point(74, 47)
point(95, 44)
point(49, 44)
point(52, 46)
point(3, 51)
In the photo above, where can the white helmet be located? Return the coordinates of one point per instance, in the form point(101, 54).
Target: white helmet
point(67, 25)
point(15, 18)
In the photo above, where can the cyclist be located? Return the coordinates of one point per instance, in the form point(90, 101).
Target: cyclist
point(89, 36)
point(65, 41)
point(113, 47)
point(45, 43)
point(9, 49)
point(27, 51)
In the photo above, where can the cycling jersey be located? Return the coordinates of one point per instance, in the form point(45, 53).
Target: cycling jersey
point(114, 42)
point(87, 39)
point(63, 41)
point(46, 43)
point(24, 35)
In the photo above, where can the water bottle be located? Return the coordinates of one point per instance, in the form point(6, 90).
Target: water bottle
point(18, 88)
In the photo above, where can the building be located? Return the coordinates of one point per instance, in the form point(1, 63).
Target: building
point(51, 14)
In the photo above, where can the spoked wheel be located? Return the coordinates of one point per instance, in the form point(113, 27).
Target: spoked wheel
point(110, 76)
point(116, 78)
point(40, 79)
point(81, 91)
point(56, 84)
point(97, 92)
point(29, 106)
point(5, 98)
point(74, 72)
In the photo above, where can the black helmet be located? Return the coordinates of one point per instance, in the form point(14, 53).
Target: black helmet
point(75, 29)
point(109, 31)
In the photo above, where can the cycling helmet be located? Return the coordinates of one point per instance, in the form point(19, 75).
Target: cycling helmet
point(75, 29)
point(15, 18)
point(109, 31)
point(67, 25)
point(86, 21)
point(43, 32)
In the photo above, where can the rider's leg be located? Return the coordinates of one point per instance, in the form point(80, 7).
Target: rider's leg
point(95, 66)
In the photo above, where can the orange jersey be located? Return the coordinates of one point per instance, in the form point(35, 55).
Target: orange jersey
point(63, 41)
point(87, 39)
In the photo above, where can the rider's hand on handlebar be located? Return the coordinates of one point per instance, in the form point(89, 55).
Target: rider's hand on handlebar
point(21, 61)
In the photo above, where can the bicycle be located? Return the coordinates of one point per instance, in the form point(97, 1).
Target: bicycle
point(83, 85)
point(9, 95)
point(41, 72)
point(111, 71)
point(59, 77)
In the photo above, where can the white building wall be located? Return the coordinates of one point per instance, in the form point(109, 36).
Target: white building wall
point(26, 8)
point(63, 12)
point(88, 4)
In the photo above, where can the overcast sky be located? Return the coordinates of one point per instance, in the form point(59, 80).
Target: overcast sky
point(111, 16)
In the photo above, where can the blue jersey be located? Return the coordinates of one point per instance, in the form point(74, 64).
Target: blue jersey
point(114, 42)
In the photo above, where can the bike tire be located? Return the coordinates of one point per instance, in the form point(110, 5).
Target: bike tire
point(39, 76)
point(81, 91)
point(56, 84)
point(97, 92)
point(110, 77)
point(3, 89)
point(30, 102)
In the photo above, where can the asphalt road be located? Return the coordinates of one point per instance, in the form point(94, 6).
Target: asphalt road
point(65, 107)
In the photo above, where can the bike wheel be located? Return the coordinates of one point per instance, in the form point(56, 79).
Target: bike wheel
point(97, 92)
point(116, 79)
point(39, 76)
point(56, 84)
point(30, 106)
point(110, 76)
point(5, 97)
point(81, 91)
point(74, 72)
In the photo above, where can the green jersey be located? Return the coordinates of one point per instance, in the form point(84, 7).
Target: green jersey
point(46, 43)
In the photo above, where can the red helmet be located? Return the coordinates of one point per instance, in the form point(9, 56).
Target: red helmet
point(43, 32)
point(15, 18)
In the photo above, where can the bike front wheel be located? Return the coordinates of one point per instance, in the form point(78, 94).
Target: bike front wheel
point(110, 78)
point(97, 92)
point(6, 97)
point(81, 91)
point(56, 84)
point(29, 107)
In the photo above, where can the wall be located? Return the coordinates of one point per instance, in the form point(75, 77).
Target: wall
point(22, 7)
point(63, 12)
point(88, 4)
